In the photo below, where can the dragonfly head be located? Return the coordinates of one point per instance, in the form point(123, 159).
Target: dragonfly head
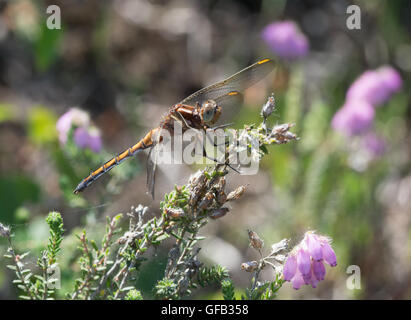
point(210, 112)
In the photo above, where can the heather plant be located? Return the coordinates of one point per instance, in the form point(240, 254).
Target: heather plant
point(108, 268)
point(348, 177)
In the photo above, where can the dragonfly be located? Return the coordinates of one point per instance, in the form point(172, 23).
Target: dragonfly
point(201, 110)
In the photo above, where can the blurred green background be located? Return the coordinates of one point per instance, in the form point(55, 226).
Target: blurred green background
point(126, 62)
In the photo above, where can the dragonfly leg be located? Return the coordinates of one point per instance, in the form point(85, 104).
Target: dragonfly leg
point(226, 142)
point(221, 126)
point(184, 120)
point(205, 155)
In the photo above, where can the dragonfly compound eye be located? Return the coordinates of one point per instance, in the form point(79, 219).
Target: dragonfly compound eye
point(209, 111)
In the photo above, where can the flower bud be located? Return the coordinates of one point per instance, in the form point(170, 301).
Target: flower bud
point(268, 107)
point(236, 194)
point(174, 212)
point(255, 240)
point(218, 213)
point(206, 201)
point(249, 266)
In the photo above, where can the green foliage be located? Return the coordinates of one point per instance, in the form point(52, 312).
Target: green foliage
point(6, 112)
point(38, 285)
point(109, 268)
point(47, 46)
point(42, 125)
point(212, 275)
point(55, 222)
point(16, 190)
point(166, 289)
point(227, 289)
point(133, 294)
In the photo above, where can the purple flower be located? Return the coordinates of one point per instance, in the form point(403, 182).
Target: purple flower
point(355, 117)
point(90, 138)
point(314, 246)
point(305, 264)
point(94, 142)
point(84, 136)
point(73, 117)
point(286, 40)
point(314, 281)
point(81, 137)
point(318, 270)
point(290, 268)
point(329, 254)
point(374, 144)
point(370, 90)
point(298, 280)
point(375, 86)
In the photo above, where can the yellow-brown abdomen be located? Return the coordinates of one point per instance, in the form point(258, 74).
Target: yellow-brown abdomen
point(144, 143)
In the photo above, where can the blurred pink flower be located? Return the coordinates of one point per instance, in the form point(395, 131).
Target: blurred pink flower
point(286, 40)
point(80, 137)
point(73, 117)
point(355, 117)
point(94, 140)
point(87, 138)
point(375, 145)
point(375, 86)
point(84, 136)
point(305, 264)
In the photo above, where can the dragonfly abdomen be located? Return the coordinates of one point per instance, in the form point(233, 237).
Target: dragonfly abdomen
point(146, 142)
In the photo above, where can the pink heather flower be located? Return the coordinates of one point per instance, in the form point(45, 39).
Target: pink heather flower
point(391, 78)
point(318, 270)
point(355, 117)
point(314, 246)
point(305, 264)
point(375, 86)
point(94, 142)
point(290, 267)
point(84, 136)
point(313, 280)
point(81, 137)
point(298, 280)
point(285, 40)
point(90, 138)
point(73, 117)
point(375, 145)
point(370, 90)
point(329, 254)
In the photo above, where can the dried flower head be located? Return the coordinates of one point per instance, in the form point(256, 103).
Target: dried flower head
point(236, 194)
point(255, 241)
point(249, 266)
point(4, 231)
point(174, 212)
point(219, 213)
point(268, 107)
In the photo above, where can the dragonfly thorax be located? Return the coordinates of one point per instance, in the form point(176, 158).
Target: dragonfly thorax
point(210, 112)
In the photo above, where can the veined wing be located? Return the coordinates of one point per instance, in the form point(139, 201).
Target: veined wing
point(237, 83)
point(152, 163)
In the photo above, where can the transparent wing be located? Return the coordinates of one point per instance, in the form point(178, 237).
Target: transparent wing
point(151, 171)
point(229, 98)
point(152, 164)
point(236, 83)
